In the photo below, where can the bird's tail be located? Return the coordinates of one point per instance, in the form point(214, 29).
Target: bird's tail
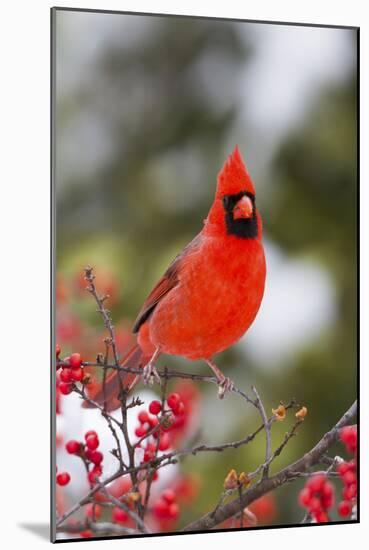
point(108, 393)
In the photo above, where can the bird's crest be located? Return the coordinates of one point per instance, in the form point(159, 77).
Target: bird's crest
point(234, 177)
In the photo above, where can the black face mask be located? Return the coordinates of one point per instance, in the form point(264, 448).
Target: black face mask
point(245, 228)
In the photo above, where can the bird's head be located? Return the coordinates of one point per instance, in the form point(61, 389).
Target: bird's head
point(234, 211)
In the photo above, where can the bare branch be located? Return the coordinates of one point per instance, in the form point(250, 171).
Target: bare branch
point(140, 524)
point(99, 528)
point(102, 309)
point(292, 471)
point(145, 471)
point(267, 425)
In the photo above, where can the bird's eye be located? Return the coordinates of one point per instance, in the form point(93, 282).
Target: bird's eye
point(226, 202)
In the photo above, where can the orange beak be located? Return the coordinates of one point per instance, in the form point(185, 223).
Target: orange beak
point(243, 208)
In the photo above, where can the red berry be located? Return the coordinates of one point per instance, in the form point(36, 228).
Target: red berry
point(173, 511)
point(118, 515)
point(316, 483)
point(150, 452)
point(92, 442)
point(73, 447)
point(63, 478)
point(140, 431)
point(173, 400)
point(75, 360)
point(349, 492)
point(327, 495)
point(153, 421)
point(315, 505)
point(179, 411)
point(148, 456)
point(96, 457)
point(327, 489)
point(155, 407)
point(58, 350)
point(349, 437)
point(179, 421)
point(66, 374)
point(161, 508)
point(143, 417)
point(321, 517)
point(169, 496)
point(77, 373)
point(348, 434)
point(352, 465)
point(327, 502)
point(305, 497)
point(343, 467)
point(86, 534)
point(353, 490)
point(89, 433)
point(349, 478)
point(164, 442)
point(94, 474)
point(344, 508)
point(155, 476)
point(65, 388)
point(93, 510)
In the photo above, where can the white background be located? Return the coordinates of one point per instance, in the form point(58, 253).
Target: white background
point(24, 271)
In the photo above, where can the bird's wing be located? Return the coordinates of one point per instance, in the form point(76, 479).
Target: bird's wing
point(169, 280)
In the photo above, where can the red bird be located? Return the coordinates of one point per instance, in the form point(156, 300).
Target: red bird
point(211, 292)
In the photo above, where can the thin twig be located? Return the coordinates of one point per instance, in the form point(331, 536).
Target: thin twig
point(162, 420)
point(267, 425)
point(105, 313)
point(168, 375)
point(102, 309)
point(140, 524)
point(100, 528)
point(87, 499)
point(307, 461)
point(96, 405)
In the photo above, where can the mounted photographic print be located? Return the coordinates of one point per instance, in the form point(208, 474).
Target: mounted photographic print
point(204, 353)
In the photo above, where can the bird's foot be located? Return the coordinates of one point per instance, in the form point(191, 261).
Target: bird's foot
point(224, 384)
point(150, 373)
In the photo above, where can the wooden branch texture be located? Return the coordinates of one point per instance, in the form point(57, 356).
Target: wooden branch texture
point(289, 473)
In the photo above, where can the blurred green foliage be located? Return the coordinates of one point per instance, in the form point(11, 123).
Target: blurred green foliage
point(170, 104)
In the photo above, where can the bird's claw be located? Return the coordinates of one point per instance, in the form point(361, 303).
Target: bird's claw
point(225, 384)
point(149, 373)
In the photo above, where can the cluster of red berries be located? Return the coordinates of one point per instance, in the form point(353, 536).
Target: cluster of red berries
point(166, 507)
point(347, 472)
point(71, 371)
point(89, 453)
point(63, 478)
point(317, 497)
point(157, 438)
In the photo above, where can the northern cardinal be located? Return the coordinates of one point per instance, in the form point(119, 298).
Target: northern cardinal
point(211, 292)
